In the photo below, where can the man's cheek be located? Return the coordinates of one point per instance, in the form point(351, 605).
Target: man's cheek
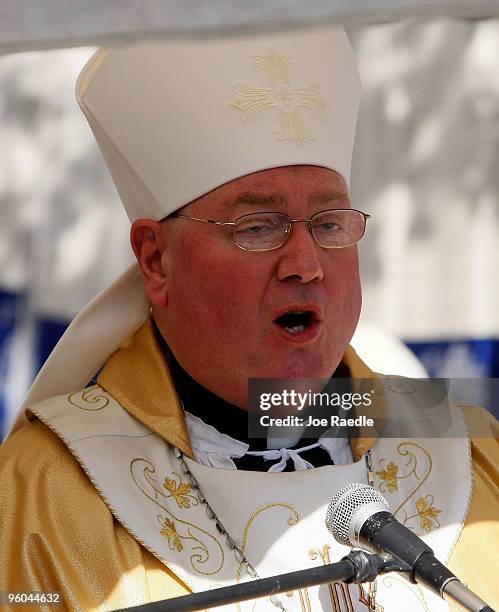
point(220, 311)
point(235, 291)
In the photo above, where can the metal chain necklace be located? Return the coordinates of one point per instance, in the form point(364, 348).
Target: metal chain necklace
point(238, 553)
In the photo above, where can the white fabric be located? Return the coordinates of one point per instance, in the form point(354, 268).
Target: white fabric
point(216, 449)
point(282, 455)
point(339, 449)
point(212, 447)
point(95, 333)
point(277, 518)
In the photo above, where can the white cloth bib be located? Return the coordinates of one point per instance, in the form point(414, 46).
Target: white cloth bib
point(218, 450)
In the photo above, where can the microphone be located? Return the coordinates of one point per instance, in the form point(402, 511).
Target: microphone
point(358, 516)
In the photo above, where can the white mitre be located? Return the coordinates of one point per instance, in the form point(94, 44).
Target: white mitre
point(175, 120)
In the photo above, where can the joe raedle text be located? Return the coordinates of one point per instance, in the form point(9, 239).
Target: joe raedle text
point(332, 421)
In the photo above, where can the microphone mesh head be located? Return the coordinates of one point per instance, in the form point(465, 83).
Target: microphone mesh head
point(343, 506)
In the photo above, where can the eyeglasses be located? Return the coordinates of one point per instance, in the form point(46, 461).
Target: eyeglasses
point(265, 231)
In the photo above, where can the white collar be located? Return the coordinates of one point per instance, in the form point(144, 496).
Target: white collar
point(216, 449)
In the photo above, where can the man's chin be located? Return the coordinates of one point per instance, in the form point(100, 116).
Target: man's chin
point(301, 369)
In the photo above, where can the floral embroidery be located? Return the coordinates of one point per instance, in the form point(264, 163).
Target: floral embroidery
point(180, 491)
point(169, 531)
point(428, 513)
point(418, 467)
point(206, 554)
point(389, 476)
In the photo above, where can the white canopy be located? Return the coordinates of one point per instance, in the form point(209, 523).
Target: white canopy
point(49, 24)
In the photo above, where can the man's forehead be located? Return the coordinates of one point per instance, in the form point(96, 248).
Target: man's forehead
point(278, 187)
point(260, 198)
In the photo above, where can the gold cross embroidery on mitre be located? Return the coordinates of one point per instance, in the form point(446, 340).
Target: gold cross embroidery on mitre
point(280, 95)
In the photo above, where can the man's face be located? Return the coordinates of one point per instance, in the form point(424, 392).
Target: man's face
point(222, 306)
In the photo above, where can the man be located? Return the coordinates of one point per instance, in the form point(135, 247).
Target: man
point(232, 159)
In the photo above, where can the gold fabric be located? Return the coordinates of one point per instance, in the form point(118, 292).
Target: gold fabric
point(137, 376)
point(58, 535)
point(359, 370)
point(475, 556)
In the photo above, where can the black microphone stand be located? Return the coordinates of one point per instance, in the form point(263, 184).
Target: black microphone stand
point(358, 566)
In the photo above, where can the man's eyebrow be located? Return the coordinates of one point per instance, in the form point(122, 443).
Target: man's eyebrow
point(328, 197)
point(259, 199)
point(274, 199)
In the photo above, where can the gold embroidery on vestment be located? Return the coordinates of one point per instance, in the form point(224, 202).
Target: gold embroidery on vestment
point(339, 592)
point(91, 399)
point(280, 95)
point(180, 491)
point(428, 513)
point(292, 520)
point(174, 529)
point(403, 387)
point(389, 475)
point(169, 531)
point(103, 496)
point(304, 600)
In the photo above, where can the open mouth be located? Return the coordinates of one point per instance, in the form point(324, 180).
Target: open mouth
point(296, 321)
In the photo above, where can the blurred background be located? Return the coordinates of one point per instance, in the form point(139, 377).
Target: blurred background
point(426, 166)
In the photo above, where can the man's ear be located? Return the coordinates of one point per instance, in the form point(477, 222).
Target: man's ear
point(148, 245)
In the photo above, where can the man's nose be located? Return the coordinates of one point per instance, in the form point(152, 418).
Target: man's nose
point(299, 256)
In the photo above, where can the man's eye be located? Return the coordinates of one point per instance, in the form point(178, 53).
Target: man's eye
point(328, 227)
point(255, 229)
